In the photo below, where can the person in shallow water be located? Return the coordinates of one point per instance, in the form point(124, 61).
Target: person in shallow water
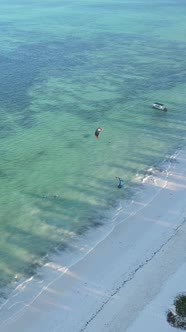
point(97, 132)
point(121, 182)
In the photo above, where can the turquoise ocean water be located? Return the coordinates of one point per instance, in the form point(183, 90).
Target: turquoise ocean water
point(66, 68)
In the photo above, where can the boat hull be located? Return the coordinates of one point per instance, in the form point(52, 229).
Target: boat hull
point(160, 107)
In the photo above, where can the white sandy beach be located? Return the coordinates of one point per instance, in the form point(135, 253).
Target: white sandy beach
point(128, 281)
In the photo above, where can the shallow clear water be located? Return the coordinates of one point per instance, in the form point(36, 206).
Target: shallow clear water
point(68, 67)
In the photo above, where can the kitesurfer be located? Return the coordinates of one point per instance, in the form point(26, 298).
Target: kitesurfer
point(97, 132)
point(121, 182)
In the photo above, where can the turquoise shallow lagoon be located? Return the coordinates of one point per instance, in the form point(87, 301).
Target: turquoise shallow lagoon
point(68, 67)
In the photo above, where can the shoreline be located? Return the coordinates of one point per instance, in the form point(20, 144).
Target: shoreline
point(91, 237)
point(19, 312)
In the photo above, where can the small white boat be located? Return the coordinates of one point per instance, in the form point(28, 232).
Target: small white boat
point(159, 106)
